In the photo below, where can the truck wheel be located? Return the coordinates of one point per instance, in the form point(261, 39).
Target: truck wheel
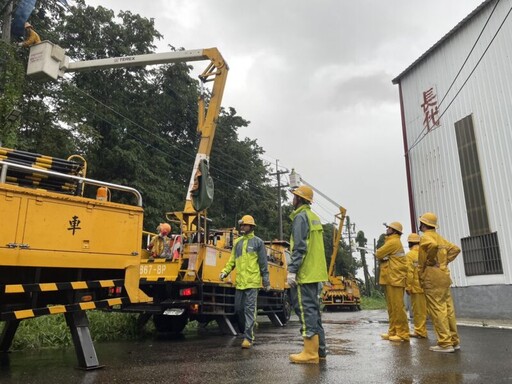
point(170, 324)
point(285, 314)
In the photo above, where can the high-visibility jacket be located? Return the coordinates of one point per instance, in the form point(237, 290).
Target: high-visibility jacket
point(393, 267)
point(435, 252)
point(249, 257)
point(412, 282)
point(307, 247)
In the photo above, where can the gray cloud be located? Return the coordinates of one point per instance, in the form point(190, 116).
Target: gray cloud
point(315, 77)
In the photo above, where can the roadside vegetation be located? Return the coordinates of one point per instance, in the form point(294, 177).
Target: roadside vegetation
point(375, 301)
point(53, 332)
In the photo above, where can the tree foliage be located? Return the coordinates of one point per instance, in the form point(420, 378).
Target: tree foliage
point(137, 125)
point(345, 264)
point(11, 85)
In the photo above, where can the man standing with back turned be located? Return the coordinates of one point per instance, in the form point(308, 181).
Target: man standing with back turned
point(434, 255)
point(393, 271)
point(306, 271)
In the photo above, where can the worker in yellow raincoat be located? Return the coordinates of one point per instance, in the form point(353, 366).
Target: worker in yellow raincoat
point(414, 290)
point(31, 36)
point(434, 255)
point(160, 245)
point(393, 271)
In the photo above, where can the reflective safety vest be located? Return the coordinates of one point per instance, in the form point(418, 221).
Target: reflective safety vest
point(313, 267)
point(249, 257)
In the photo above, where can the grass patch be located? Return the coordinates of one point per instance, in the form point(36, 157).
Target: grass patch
point(375, 301)
point(53, 332)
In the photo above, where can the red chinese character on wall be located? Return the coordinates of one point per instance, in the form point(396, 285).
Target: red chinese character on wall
point(430, 110)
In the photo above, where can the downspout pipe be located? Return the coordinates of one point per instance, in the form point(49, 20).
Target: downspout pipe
point(407, 162)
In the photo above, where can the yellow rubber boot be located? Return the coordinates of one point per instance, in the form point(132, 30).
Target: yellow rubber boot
point(309, 354)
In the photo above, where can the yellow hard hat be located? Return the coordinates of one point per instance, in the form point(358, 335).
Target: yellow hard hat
point(164, 227)
point(305, 192)
point(429, 219)
point(413, 238)
point(247, 220)
point(396, 226)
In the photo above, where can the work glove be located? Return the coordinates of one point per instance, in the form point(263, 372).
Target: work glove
point(222, 275)
point(266, 288)
point(291, 279)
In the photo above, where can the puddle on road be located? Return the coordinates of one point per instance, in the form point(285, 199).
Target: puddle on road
point(339, 347)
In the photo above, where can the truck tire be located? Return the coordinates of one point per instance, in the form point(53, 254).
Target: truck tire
point(170, 324)
point(284, 315)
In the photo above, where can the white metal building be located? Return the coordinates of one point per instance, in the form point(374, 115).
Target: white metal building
point(456, 106)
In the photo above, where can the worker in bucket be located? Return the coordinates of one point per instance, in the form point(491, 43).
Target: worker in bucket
point(434, 255)
point(249, 257)
point(393, 271)
point(160, 245)
point(306, 271)
point(414, 290)
point(31, 36)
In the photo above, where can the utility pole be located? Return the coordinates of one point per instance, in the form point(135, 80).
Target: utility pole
point(377, 270)
point(279, 186)
point(361, 241)
point(350, 228)
point(6, 16)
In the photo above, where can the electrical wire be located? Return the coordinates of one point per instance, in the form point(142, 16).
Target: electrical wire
point(192, 156)
point(423, 134)
point(255, 192)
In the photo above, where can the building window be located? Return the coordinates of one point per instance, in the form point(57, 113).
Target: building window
point(476, 207)
point(480, 251)
point(481, 255)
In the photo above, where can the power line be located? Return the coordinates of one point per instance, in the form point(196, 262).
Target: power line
point(423, 134)
point(192, 156)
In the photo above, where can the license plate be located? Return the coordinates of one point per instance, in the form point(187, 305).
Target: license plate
point(174, 311)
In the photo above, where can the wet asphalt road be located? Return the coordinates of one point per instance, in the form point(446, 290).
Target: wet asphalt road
point(356, 355)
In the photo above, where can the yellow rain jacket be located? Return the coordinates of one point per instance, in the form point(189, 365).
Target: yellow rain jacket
point(160, 246)
point(393, 267)
point(31, 38)
point(412, 282)
point(434, 255)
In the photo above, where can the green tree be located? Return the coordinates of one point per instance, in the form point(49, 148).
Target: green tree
point(242, 179)
point(380, 243)
point(345, 264)
point(137, 126)
point(362, 242)
point(11, 85)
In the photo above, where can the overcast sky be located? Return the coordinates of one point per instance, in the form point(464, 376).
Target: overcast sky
point(314, 80)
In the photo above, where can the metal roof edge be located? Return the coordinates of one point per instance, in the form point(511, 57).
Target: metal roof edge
point(396, 80)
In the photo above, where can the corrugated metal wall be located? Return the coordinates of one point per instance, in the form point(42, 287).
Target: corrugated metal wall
point(435, 169)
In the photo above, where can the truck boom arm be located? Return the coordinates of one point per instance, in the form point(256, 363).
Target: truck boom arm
point(48, 61)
